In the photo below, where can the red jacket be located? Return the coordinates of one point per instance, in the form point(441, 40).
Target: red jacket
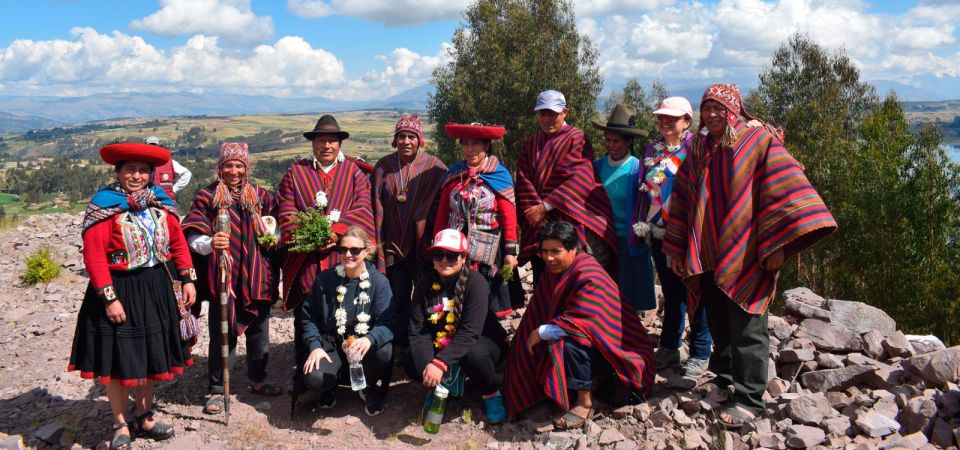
point(115, 245)
point(164, 176)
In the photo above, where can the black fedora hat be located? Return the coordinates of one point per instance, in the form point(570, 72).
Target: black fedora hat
point(326, 125)
point(623, 120)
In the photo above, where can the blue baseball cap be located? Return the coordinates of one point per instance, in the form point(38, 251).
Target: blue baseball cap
point(552, 100)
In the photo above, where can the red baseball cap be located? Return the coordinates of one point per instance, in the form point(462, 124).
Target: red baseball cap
point(449, 239)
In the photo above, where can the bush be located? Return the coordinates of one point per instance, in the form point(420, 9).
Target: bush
point(41, 268)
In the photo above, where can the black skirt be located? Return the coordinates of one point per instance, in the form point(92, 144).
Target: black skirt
point(146, 347)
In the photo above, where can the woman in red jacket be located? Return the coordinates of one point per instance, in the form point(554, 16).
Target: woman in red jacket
point(128, 332)
point(477, 200)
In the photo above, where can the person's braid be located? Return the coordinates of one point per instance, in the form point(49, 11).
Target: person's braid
point(460, 291)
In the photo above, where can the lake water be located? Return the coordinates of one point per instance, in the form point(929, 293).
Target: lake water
point(953, 152)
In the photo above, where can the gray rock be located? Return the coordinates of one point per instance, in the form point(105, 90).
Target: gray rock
point(776, 387)
point(925, 344)
point(911, 441)
point(591, 429)
point(830, 337)
point(918, 415)
point(691, 439)
point(884, 376)
point(860, 317)
point(873, 344)
point(874, 424)
point(680, 382)
point(802, 436)
point(829, 361)
point(681, 418)
point(830, 379)
point(950, 400)
point(560, 440)
point(771, 440)
point(626, 445)
point(623, 412)
point(610, 436)
point(803, 310)
point(838, 400)
point(14, 442)
point(642, 412)
point(897, 345)
point(796, 355)
point(804, 295)
point(887, 408)
point(50, 433)
point(661, 418)
point(942, 434)
point(838, 425)
point(779, 328)
point(938, 367)
point(809, 409)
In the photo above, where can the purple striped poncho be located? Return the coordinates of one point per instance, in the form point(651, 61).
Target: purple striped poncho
point(251, 275)
point(348, 192)
point(401, 225)
point(558, 169)
point(732, 207)
point(585, 302)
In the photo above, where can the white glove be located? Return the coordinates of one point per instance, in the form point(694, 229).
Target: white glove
point(641, 229)
point(657, 232)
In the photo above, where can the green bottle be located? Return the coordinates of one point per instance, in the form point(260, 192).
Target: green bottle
point(431, 424)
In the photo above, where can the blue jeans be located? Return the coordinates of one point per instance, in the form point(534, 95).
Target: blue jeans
point(675, 311)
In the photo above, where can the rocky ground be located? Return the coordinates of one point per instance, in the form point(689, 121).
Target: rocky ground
point(841, 376)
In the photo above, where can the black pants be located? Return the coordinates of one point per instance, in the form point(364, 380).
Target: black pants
point(330, 374)
point(258, 338)
point(479, 364)
point(582, 364)
point(741, 345)
point(401, 279)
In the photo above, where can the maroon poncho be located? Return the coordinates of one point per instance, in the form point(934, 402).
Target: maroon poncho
point(348, 190)
point(732, 207)
point(585, 302)
point(401, 225)
point(558, 170)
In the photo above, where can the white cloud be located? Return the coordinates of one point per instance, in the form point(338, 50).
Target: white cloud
point(597, 8)
point(388, 12)
point(95, 62)
point(233, 20)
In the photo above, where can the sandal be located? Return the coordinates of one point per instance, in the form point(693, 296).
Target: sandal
point(214, 405)
point(570, 421)
point(160, 431)
point(738, 417)
point(122, 442)
point(266, 389)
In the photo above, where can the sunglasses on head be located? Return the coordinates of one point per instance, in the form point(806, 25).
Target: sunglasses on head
point(441, 255)
point(355, 251)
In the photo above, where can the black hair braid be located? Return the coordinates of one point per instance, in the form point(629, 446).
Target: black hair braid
point(459, 292)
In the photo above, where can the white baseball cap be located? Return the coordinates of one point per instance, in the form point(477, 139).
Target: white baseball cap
point(674, 107)
point(552, 100)
point(153, 140)
point(449, 239)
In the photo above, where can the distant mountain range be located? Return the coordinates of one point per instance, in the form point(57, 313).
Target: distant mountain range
point(18, 114)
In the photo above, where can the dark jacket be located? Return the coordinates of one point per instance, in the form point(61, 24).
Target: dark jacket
point(317, 318)
point(477, 320)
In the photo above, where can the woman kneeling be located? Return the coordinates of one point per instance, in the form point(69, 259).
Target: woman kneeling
point(453, 328)
point(346, 317)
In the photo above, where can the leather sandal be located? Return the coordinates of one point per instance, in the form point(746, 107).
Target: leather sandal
point(266, 389)
point(738, 415)
point(122, 442)
point(570, 421)
point(214, 405)
point(160, 430)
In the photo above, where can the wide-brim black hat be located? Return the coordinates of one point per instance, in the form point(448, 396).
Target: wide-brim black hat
point(622, 120)
point(326, 125)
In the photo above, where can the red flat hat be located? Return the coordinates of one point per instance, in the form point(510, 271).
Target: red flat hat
point(463, 131)
point(131, 151)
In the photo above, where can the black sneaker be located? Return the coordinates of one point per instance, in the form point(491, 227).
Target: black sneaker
point(374, 401)
point(328, 399)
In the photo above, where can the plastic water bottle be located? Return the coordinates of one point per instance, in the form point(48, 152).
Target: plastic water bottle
point(431, 424)
point(358, 381)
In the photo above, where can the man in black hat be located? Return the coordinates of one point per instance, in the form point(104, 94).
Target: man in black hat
point(338, 187)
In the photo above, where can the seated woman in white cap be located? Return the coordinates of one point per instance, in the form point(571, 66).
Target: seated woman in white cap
point(452, 327)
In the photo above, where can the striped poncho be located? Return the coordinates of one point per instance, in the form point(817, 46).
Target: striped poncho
point(732, 207)
point(401, 225)
point(585, 302)
point(558, 169)
point(252, 276)
point(348, 191)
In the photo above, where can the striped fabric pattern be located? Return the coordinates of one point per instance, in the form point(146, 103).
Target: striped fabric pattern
point(732, 207)
point(586, 303)
point(348, 192)
point(401, 226)
point(251, 276)
point(558, 169)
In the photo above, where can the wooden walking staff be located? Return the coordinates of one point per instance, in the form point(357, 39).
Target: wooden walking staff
point(223, 226)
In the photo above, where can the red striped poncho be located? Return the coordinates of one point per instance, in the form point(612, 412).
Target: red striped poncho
point(586, 303)
point(732, 207)
point(251, 274)
point(348, 191)
point(401, 225)
point(558, 169)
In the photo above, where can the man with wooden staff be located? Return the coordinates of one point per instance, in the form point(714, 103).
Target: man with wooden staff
point(239, 265)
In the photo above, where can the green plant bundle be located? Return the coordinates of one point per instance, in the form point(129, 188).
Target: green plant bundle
point(506, 273)
point(267, 240)
point(41, 268)
point(313, 230)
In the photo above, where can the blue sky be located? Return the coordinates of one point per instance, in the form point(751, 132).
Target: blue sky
point(359, 49)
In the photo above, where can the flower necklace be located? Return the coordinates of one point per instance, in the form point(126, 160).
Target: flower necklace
point(442, 313)
point(362, 299)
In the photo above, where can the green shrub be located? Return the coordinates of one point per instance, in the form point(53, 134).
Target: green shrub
point(41, 268)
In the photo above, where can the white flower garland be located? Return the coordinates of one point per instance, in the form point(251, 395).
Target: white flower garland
point(340, 314)
point(321, 199)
